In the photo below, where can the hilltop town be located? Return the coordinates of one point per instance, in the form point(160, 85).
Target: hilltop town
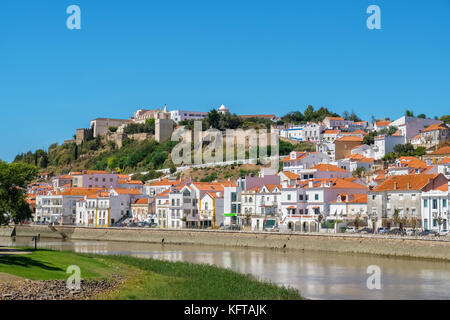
point(337, 174)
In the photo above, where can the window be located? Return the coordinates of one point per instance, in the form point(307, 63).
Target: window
point(316, 197)
point(289, 197)
point(444, 203)
point(300, 197)
point(425, 203)
point(434, 203)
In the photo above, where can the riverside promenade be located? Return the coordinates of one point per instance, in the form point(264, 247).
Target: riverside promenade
point(414, 247)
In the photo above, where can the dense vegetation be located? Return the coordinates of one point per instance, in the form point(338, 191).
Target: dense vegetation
point(14, 178)
point(402, 150)
point(309, 115)
point(147, 127)
point(369, 139)
point(141, 156)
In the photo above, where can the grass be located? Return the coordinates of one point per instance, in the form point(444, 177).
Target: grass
point(47, 265)
point(147, 278)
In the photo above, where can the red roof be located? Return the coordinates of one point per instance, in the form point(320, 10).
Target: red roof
point(443, 150)
point(327, 167)
point(351, 138)
point(406, 182)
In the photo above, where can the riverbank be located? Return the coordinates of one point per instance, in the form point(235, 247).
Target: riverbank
point(342, 243)
point(42, 273)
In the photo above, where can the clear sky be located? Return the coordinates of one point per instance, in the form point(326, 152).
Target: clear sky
point(254, 56)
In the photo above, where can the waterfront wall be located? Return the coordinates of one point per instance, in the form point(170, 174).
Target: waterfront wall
point(362, 244)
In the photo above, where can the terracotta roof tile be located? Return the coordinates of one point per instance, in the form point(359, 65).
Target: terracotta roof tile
point(406, 182)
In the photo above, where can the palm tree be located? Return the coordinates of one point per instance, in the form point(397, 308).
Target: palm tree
point(439, 221)
point(357, 220)
point(319, 220)
point(396, 216)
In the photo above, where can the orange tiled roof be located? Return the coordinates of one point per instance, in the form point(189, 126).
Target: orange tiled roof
point(127, 191)
point(406, 182)
point(443, 187)
point(327, 167)
point(271, 187)
point(290, 175)
point(383, 123)
point(355, 198)
point(437, 126)
point(214, 195)
point(163, 194)
point(336, 183)
point(142, 201)
point(80, 191)
point(351, 138)
point(412, 162)
point(331, 132)
point(335, 118)
point(443, 150)
point(444, 161)
point(299, 155)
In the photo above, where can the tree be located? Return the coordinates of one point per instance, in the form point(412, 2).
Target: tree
point(369, 139)
point(422, 115)
point(445, 118)
point(359, 172)
point(357, 220)
point(439, 221)
point(409, 113)
point(309, 113)
point(213, 119)
point(14, 179)
point(396, 216)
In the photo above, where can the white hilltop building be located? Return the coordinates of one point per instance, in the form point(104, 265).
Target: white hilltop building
point(223, 110)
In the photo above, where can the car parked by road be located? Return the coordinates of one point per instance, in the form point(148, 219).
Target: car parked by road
point(351, 230)
point(443, 232)
point(428, 233)
point(271, 228)
point(366, 230)
point(382, 230)
point(412, 232)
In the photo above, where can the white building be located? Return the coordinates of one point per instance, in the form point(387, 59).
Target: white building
point(298, 161)
point(309, 132)
point(181, 115)
point(385, 144)
point(435, 212)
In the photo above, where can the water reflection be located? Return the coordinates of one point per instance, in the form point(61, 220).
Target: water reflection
point(318, 275)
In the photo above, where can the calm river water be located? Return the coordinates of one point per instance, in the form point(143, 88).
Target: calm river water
point(318, 275)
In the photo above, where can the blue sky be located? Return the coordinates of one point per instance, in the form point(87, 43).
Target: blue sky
point(253, 56)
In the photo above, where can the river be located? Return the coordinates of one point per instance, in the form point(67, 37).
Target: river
point(318, 275)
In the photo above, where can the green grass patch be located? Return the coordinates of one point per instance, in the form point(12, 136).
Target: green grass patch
point(182, 280)
point(146, 278)
point(47, 264)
